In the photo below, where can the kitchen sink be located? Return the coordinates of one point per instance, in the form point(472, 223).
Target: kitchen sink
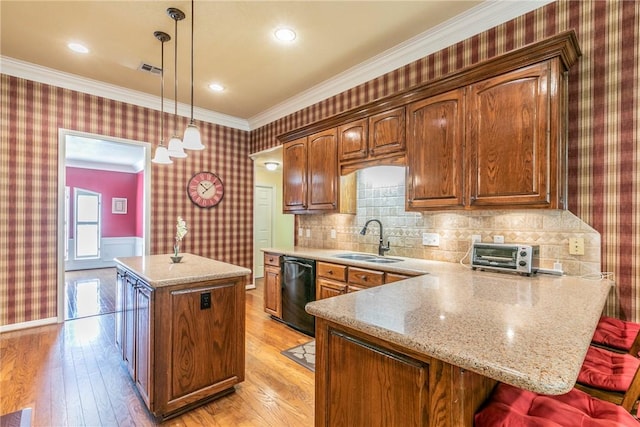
point(357, 257)
point(368, 258)
point(381, 260)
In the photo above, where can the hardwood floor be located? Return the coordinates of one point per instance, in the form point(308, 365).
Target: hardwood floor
point(71, 375)
point(89, 292)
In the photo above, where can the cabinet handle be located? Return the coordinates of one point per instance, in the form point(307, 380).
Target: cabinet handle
point(330, 272)
point(363, 277)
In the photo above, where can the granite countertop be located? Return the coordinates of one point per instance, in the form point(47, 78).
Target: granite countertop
point(531, 332)
point(159, 271)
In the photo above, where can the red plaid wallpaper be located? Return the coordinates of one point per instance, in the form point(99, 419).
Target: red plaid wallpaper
point(604, 118)
point(31, 114)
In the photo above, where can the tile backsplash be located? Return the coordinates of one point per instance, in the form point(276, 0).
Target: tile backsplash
point(381, 194)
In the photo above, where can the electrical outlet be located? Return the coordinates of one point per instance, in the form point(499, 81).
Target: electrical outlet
point(476, 238)
point(498, 239)
point(333, 233)
point(576, 246)
point(430, 239)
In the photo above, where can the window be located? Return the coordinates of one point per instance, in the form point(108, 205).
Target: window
point(87, 224)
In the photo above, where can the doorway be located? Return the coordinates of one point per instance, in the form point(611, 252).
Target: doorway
point(262, 225)
point(117, 173)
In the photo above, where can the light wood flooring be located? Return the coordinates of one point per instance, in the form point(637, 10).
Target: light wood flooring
point(89, 292)
point(71, 375)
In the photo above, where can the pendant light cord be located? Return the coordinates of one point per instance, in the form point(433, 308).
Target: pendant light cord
point(162, 92)
point(192, 25)
point(175, 80)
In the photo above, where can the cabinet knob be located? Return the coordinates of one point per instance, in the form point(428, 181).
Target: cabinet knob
point(330, 272)
point(364, 278)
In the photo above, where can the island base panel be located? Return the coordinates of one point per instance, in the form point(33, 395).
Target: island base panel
point(364, 381)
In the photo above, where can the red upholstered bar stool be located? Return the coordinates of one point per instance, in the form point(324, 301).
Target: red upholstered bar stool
point(617, 334)
point(610, 376)
point(510, 406)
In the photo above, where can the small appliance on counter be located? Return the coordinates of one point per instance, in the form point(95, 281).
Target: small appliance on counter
point(512, 257)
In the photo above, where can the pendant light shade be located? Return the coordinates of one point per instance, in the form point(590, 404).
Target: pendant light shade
point(162, 155)
point(175, 143)
point(191, 139)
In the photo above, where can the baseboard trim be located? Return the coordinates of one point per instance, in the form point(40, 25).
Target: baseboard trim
point(30, 324)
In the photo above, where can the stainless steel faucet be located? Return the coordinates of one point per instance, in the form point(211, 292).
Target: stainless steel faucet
point(381, 247)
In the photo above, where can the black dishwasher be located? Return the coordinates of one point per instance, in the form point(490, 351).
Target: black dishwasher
point(298, 288)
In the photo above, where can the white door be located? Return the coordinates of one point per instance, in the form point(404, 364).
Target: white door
point(262, 225)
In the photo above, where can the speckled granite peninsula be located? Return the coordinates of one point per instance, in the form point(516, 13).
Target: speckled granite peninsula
point(432, 347)
point(180, 328)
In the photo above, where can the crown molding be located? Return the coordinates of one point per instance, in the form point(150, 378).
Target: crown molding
point(474, 21)
point(37, 73)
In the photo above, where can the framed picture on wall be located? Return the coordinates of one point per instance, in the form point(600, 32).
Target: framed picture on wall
point(118, 205)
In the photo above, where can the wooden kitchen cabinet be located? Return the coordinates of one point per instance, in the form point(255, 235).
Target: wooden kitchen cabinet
point(310, 173)
point(435, 146)
point(364, 381)
point(374, 140)
point(337, 279)
point(513, 133)
point(182, 344)
point(272, 285)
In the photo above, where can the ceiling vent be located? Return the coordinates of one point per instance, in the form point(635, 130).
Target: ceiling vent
point(150, 69)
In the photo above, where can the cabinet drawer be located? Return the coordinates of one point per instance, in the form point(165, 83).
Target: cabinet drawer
point(360, 276)
point(395, 277)
point(331, 271)
point(272, 259)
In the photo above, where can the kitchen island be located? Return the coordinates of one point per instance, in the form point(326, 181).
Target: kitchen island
point(427, 351)
point(180, 328)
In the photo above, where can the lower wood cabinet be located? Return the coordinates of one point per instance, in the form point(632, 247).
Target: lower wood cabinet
point(337, 279)
point(183, 344)
point(272, 285)
point(363, 381)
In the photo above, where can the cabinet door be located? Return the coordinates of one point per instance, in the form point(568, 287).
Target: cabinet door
point(120, 281)
point(387, 132)
point(129, 327)
point(435, 154)
point(508, 125)
point(393, 389)
point(327, 288)
point(294, 175)
point(322, 150)
point(272, 291)
point(143, 363)
point(353, 140)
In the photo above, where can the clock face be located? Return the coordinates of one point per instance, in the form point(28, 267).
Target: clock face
point(205, 189)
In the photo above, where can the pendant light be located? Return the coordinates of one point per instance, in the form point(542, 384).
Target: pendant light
point(191, 139)
point(162, 155)
point(175, 144)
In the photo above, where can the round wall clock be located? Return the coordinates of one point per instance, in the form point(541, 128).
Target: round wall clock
point(205, 189)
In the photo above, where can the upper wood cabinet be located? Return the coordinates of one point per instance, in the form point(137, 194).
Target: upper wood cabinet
point(435, 139)
point(513, 139)
point(310, 173)
point(374, 140)
point(490, 136)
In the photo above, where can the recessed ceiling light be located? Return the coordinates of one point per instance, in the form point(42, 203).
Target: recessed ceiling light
point(285, 34)
point(77, 47)
point(216, 87)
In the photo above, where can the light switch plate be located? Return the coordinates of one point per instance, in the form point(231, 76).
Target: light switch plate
point(430, 239)
point(308, 232)
point(333, 233)
point(576, 246)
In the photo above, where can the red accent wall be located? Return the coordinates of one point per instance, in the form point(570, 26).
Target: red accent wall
point(109, 184)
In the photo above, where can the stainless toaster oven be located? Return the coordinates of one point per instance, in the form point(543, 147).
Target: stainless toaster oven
point(512, 257)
